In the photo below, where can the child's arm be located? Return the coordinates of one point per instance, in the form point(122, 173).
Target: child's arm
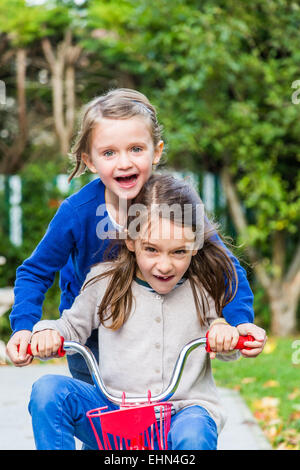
point(240, 309)
point(75, 324)
point(35, 276)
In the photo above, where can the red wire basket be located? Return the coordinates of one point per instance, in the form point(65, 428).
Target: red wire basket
point(133, 427)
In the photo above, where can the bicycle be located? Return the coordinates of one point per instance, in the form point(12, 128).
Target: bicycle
point(141, 423)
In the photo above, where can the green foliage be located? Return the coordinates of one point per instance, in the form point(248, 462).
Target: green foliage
point(26, 23)
point(21, 21)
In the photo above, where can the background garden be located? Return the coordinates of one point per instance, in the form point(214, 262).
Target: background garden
point(224, 77)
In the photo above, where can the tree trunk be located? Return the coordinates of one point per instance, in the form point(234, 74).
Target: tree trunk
point(21, 83)
point(12, 159)
point(283, 307)
point(58, 106)
point(62, 66)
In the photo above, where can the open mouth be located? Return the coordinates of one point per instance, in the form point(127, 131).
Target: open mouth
point(127, 181)
point(164, 278)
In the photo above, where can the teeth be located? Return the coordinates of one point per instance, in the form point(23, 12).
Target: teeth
point(126, 177)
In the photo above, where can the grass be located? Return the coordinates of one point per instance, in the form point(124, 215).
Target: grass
point(270, 385)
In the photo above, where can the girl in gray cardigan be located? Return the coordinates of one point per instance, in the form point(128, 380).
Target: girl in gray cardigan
point(167, 287)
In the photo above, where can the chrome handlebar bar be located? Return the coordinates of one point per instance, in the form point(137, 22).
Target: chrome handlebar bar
point(163, 396)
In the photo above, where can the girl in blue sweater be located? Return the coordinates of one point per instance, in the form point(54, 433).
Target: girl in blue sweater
point(120, 141)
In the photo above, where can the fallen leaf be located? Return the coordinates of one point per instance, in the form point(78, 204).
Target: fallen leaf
point(295, 394)
point(291, 437)
point(294, 416)
point(271, 383)
point(266, 402)
point(285, 446)
point(248, 380)
point(272, 432)
point(270, 346)
point(266, 410)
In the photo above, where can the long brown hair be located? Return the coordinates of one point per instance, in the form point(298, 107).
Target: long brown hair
point(211, 270)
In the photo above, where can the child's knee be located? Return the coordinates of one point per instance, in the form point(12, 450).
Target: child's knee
point(194, 431)
point(195, 439)
point(44, 391)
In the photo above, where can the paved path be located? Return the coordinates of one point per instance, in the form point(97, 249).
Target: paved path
point(241, 431)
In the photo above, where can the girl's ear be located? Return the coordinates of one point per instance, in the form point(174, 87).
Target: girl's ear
point(158, 152)
point(85, 157)
point(195, 248)
point(130, 244)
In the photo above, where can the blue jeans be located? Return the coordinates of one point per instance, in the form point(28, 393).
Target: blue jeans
point(58, 407)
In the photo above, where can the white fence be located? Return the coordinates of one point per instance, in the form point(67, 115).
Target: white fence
point(211, 192)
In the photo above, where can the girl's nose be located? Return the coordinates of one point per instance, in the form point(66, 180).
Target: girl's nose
point(124, 161)
point(164, 265)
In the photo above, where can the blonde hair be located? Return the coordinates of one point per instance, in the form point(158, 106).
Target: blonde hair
point(121, 103)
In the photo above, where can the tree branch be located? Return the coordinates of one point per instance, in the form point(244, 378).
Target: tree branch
point(70, 98)
point(48, 51)
point(278, 256)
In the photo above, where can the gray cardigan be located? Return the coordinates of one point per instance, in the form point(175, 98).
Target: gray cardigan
point(140, 355)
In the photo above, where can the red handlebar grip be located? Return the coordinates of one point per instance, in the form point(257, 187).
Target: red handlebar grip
point(61, 352)
point(242, 340)
point(239, 345)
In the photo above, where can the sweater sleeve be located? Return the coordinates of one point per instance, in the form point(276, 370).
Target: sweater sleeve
point(77, 322)
point(240, 309)
point(36, 275)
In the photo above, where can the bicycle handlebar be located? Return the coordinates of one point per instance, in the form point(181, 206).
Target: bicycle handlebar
point(176, 375)
point(61, 352)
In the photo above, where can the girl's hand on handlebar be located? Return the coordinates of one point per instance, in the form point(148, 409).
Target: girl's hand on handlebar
point(17, 348)
point(45, 343)
point(222, 338)
point(259, 335)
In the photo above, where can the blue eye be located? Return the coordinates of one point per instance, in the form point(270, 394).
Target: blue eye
point(137, 149)
point(108, 153)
